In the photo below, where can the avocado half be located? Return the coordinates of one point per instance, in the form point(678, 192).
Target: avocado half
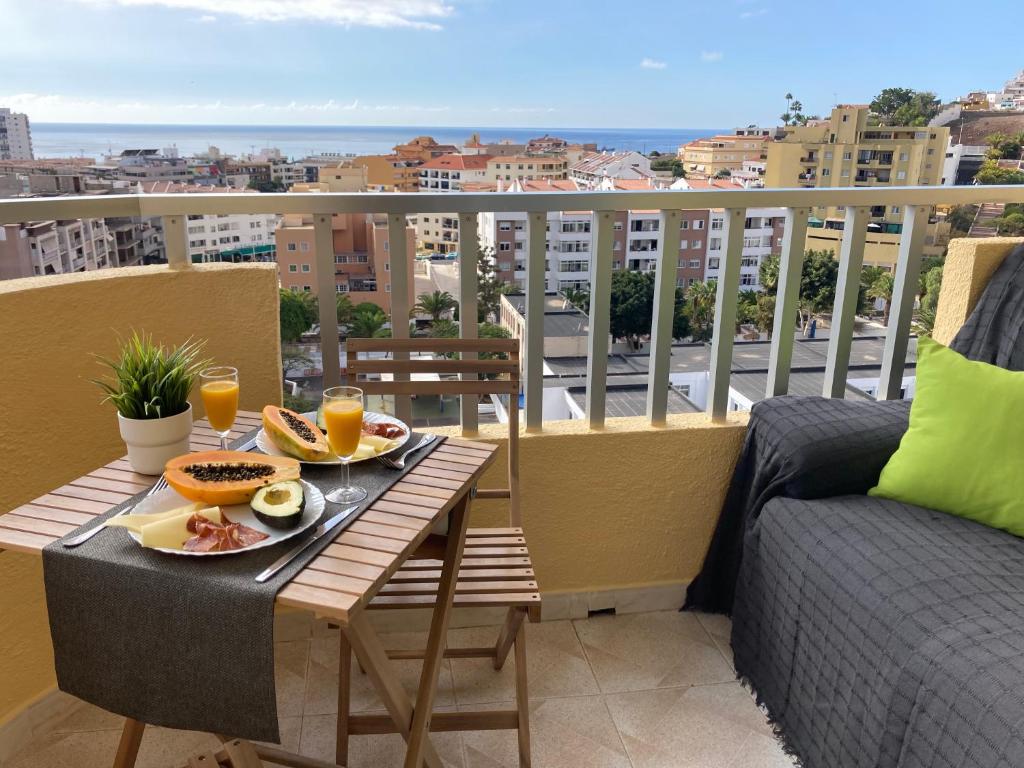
point(279, 505)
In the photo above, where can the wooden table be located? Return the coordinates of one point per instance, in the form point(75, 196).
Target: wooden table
point(338, 583)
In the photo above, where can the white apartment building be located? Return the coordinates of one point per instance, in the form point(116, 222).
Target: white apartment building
point(15, 136)
point(592, 169)
point(231, 237)
point(55, 247)
point(439, 232)
point(762, 236)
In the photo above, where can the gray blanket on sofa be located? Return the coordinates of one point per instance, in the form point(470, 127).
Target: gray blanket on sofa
point(885, 635)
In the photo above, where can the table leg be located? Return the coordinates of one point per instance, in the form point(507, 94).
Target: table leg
point(437, 639)
point(370, 651)
point(128, 748)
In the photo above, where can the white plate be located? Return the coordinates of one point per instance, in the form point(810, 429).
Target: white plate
point(265, 444)
point(169, 499)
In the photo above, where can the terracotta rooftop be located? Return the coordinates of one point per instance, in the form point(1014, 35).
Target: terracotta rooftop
point(176, 188)
point(457, 162)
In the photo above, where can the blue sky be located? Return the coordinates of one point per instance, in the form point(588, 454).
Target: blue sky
point(643, 64)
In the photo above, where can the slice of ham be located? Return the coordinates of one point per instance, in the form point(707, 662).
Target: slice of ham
point(215, 537)
point(383, 429)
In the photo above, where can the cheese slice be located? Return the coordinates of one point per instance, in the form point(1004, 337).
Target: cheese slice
point(173, 532)
point(135, 522)
point(378, 444)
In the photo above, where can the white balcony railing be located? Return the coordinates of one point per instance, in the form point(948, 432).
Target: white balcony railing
point(916, 202)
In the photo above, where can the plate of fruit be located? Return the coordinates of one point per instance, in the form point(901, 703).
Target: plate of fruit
point(224, 502)
point(303, 436)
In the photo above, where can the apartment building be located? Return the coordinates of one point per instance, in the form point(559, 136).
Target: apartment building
point(145, 165)
point(343, 178)
point(705, 158)
point(55, 247)
point(594, 168)
point(511, 167)
point(361, 261)
point(15, 136)
point(389, 173)
point(242, 173)
point(235, 237)
point(570, 242)
point(845, 151)
point(422, 149)
point(439, 232)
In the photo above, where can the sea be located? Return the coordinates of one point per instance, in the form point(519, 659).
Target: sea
point(295, 141)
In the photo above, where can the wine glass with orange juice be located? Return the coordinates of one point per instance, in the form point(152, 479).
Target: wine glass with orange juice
point(343, 417)
point(219, 390)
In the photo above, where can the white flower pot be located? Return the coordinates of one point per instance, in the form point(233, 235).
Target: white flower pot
point(153, 442)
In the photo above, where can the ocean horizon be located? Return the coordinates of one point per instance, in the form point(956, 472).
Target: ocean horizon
point(99, 139)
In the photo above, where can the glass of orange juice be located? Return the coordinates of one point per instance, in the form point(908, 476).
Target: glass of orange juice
point(343, 417)
point(219, 390)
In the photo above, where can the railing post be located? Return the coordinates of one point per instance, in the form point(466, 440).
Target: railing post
point(533, 349)
point(176, 241)
point(725, 315)
point(904, 293)
point(398, 260)
point(844, 313)
point(787, 298)
point(327, 301)
point(468, 326)
point(600, 318)
point(663, 316)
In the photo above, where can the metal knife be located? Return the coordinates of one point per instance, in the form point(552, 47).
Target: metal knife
point(321, 530)
point(248, 445)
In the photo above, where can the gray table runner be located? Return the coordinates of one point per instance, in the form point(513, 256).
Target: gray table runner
point(181, 642)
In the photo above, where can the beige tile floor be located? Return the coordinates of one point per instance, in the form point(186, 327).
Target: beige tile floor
point(646, 690)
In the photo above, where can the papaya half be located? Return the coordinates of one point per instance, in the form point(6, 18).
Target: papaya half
point(294, 434)
point(223, 478)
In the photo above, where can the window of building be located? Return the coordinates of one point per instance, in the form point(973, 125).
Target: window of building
point(504, 266)
point(845, 173)
point(682, 263)
point(717, 223)
point(846, 118)
point(715, 243)
point(713, 262)
point(293, 268)
point(307, 288)
point(505, 226)
point(305, 267)
point(683, 244)
point(826, 171)
point(504, 246)
point(519, 245)
point(617, 226)
point(699, 224)
point(617, 246)
point(901, 175)
point(904, 157)
point(291, 246)
point(828, 154)
point(684, 224)
point(847, 155)
point(697, 244)
point(694, 263)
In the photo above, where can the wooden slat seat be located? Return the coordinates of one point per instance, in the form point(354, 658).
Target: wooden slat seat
point(485, 580)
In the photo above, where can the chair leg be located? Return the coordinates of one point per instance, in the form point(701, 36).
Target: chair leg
point(522, 697)
point(513, 621)
point(128, 748)
point(344, 699)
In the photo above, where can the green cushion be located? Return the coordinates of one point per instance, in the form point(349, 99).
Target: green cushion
point(964, 450)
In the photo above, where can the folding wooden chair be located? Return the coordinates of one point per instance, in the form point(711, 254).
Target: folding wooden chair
point(496, 568)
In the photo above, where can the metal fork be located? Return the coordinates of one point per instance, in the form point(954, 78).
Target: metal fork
point(399, 463)
point(84, 537)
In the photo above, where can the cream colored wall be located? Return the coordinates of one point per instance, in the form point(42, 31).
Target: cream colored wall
point(627, 506)
point(55, 428)
point(969, 265)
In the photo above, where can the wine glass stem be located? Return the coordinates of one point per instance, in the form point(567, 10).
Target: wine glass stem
point(345, 476)
point(223, 441)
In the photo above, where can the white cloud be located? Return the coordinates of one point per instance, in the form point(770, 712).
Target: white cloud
point(753, 14)
point(414, 14)
point(523, 110)
point(60, 108)
point(206, 19)
point(711, 56)
point(649, 63)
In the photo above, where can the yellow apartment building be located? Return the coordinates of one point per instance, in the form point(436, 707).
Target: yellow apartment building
point(389, 173)
point(703, 158)
point(344, 178)
point(844, 151)
point(508, 169)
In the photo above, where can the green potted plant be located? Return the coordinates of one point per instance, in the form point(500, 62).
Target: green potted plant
point(149, 386)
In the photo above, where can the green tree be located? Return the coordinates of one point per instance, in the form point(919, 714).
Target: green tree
point(700, 308)
point(668, 163)
point(992, 173)
point(490, 287)
point(1010, 224)
point(298, 313)
point(435, 304)
point(493, 331)
point(632, 305)
point(960, 218)
point(1004, 147)
point(764, 314)
point(275, 185)
point(904, 106)
point(578, 298)
point(817, 283)
point(444, 329)
point(882, 288)
point(932, 280)
point(368, 321)
point(345, 309)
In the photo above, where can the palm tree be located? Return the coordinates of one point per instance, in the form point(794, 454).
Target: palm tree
point(345, 309)
point(368, 321)
point(700, 300)
point(578, 298)
point(881, 288)
point(435, 304)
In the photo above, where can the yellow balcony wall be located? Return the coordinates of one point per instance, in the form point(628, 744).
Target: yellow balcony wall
point(55, 428)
